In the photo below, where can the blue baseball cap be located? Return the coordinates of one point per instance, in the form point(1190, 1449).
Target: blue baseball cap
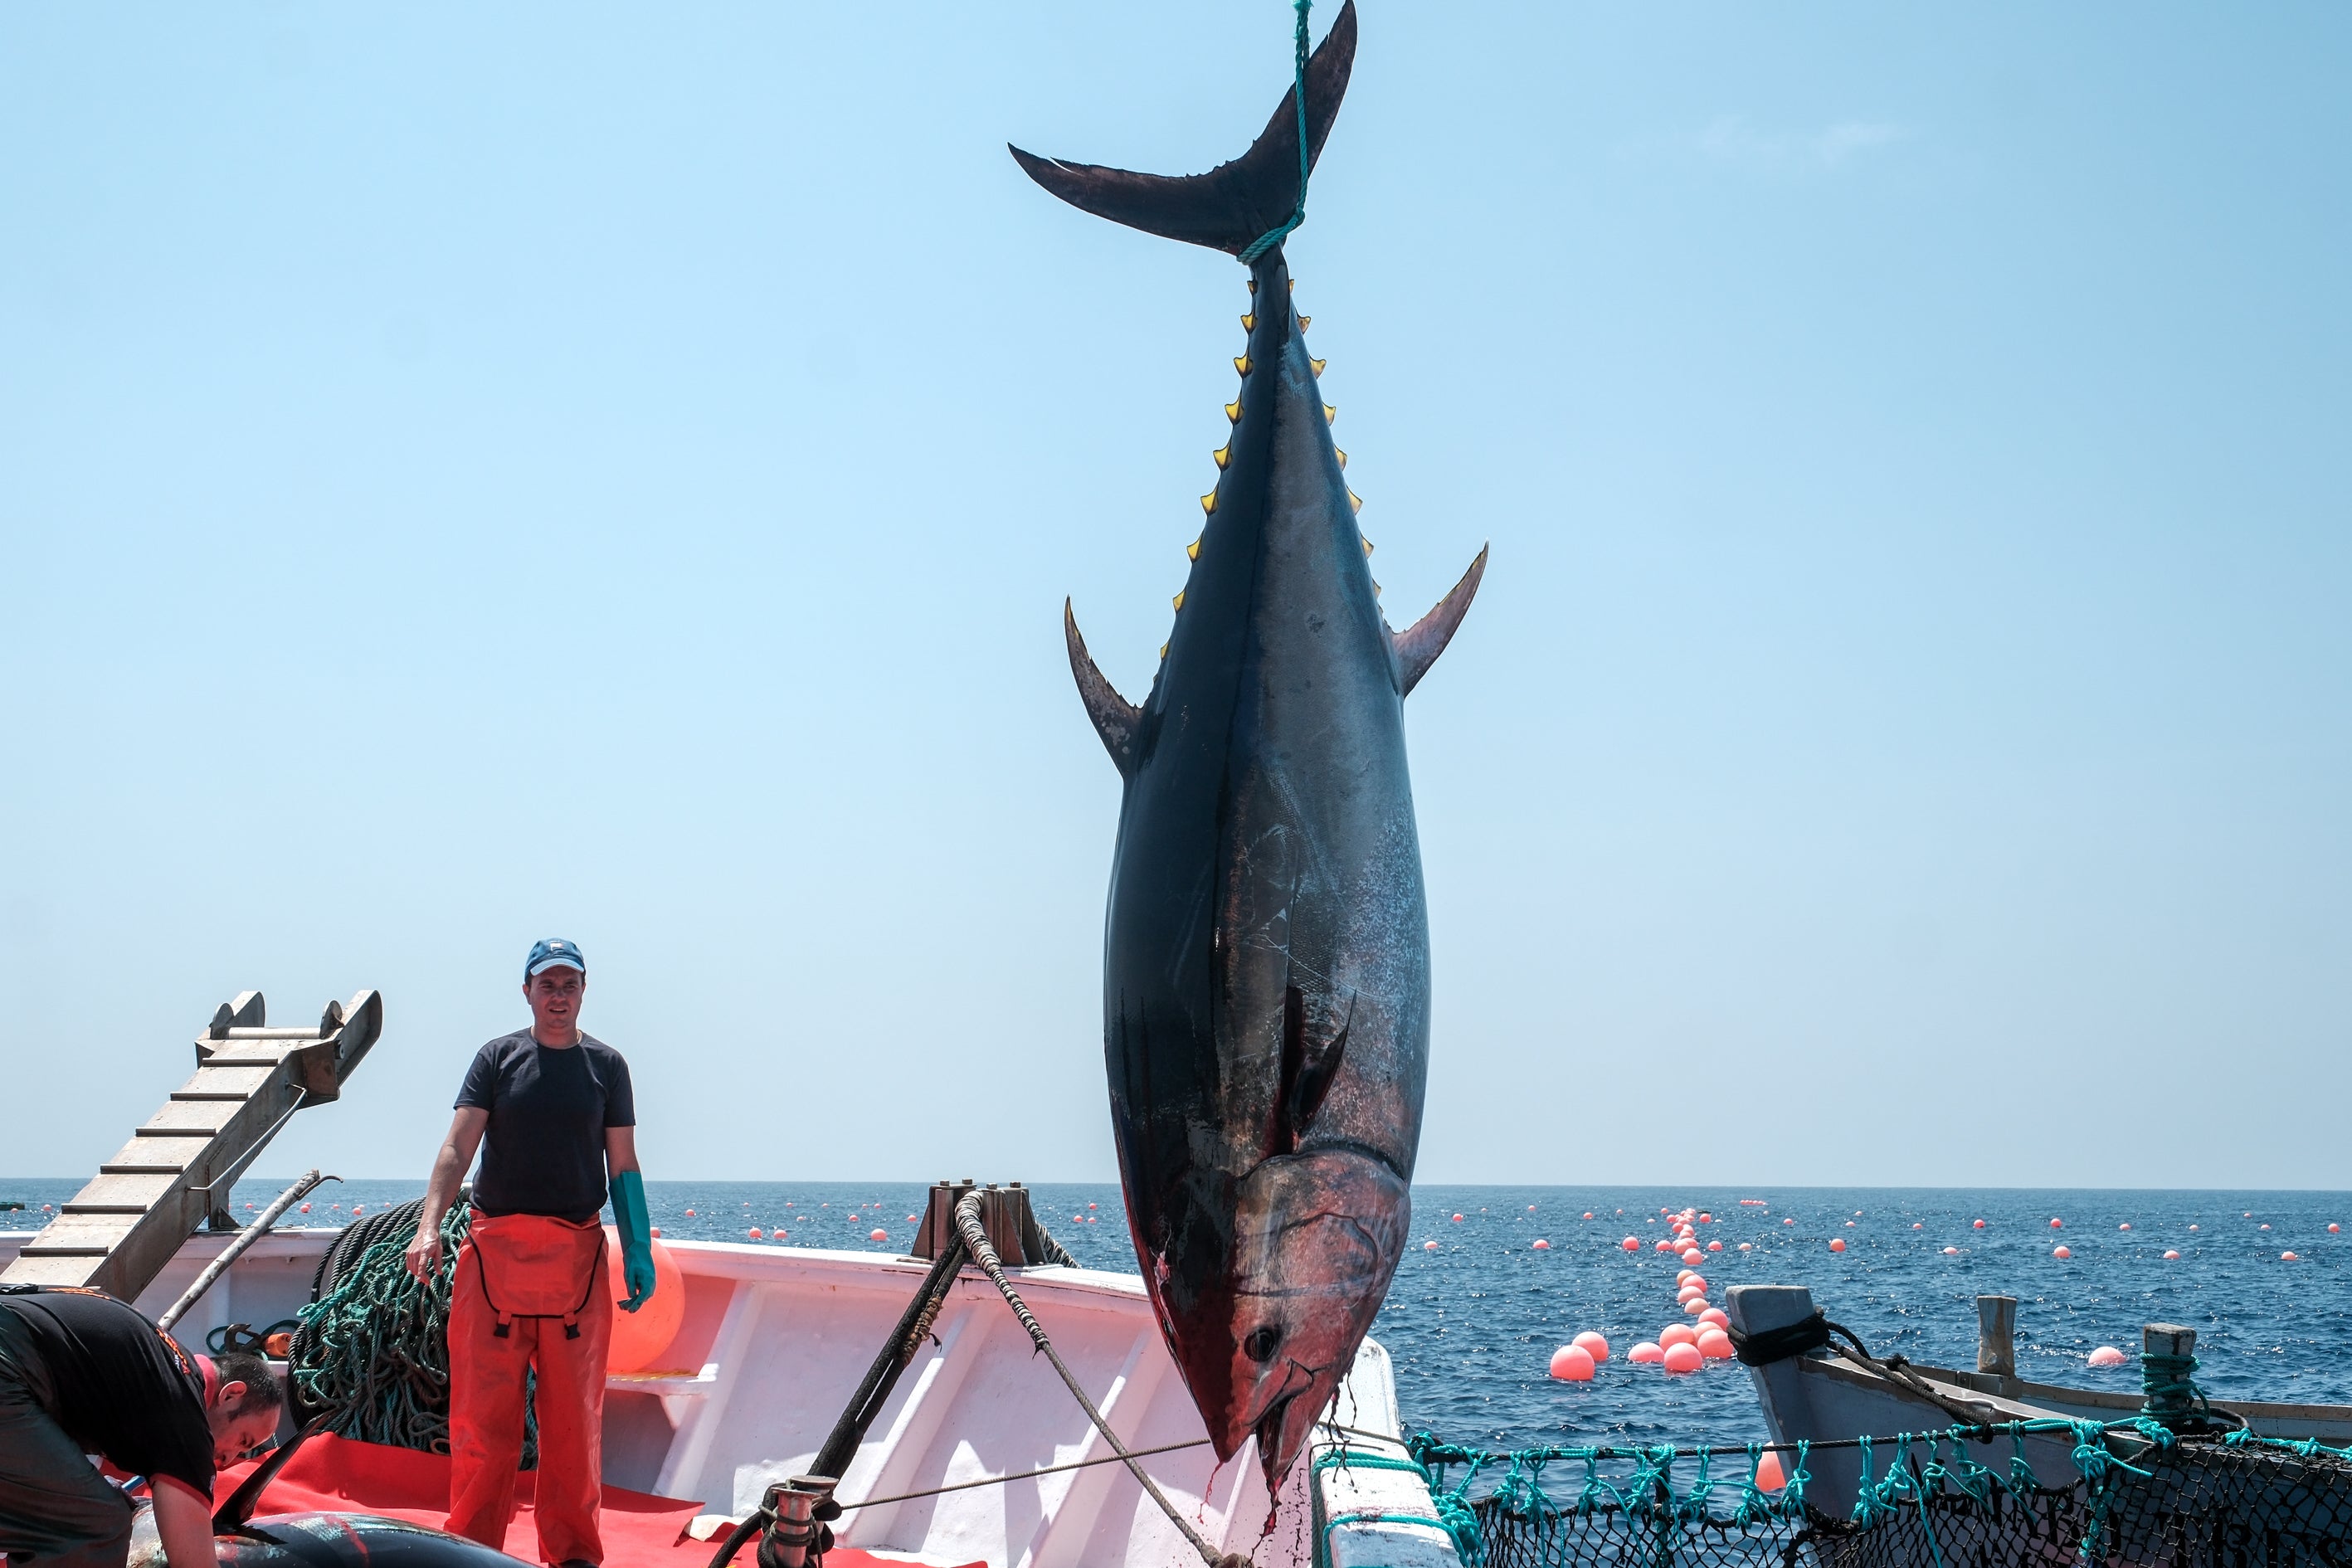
point(553, 952)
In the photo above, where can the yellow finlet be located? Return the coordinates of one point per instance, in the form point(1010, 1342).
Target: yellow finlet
point(1368, 548)
point(1303, 322)
point(1209, 502)
point(1294, 285)
point(1317, 364)
point(1355, 502)
point(1225, 455)
point(1163, 652)
point(1343, 456)
point(1241, 365)
point(1233, 411)
point(1249, 321)
point(1179, 600)
point(1376, 589)
point(1330, 411)
point(1192, 550)
point(1253, 284)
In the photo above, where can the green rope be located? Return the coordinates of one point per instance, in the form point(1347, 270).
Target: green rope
point(2166, 1387)
point(1453, 1515)
point(376, 1352)
point(1276, 236)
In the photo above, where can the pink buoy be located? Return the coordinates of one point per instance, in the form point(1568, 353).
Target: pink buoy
point(2192, 1227)
point(1588, 1213)
point(1429, 1246)
point(1686, 1295)
point(1591, 1344)
point(689, 1213)
point(753, 1233)
point(1531, 1208)
point(1788, 1222)
point(1457, 1219)
point(2264, 1227)
point(1837, 1244)
point(1692, 1255)
point(306, 1207)
point(878, 1236)
point(1684, 1358)
point(1674, 1334)
point(1715, 1345)
point(1917, 1225)
point(1706, 1219)
point(358, 1209)
point(1094, 1205)
point(1572, 1364)
point(1952, 1252)
point(2106, 1355)
point(1630, 1244)
point(1695, 1306)
point(2332, 1230)
point(2170, 1257)
point(1717, 1316)
point(2289, 1258)
point(1747, 1246)
point(1714, 1246)
point(1980, 1224)
point(2060, 1253)
point(1540, 1245)
point(1664, 1245)
point(1645, 1353)
point(2126, 1225)
point(1768, 1475)
point(2056, 1223)
point(1694, 1280)
point(656, 1233)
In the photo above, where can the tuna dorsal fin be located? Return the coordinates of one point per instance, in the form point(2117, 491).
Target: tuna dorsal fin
point(1418, 646)
point(1115, 718)
point(1232, 204)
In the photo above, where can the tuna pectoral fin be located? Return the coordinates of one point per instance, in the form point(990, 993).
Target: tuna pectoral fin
point(1115, 718)
point(1314, 1039)
point(1418, 646)
point(1232, 204)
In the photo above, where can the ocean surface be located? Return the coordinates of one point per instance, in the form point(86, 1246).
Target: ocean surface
point(1472, 1321)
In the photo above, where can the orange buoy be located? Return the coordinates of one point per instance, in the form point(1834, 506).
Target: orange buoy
point(1717, 1316)
point(1692, 1255)
point(878, 1236)
point(1542, 1245)
point(753, 1233)
point(1768, 1476)
point(1788, 1222)
point(1715, 1345)
point(1457, 1219)
point(2170, 1256)
point(1706, 1219)
point(1980, 1224)
point(2106, 1355)
point(1684, 1358)
point(1915, 1226)
point(657, 1229)
point(2332, 1230)
point(1952, 1252)
point(2056, 1223)
point(640, 1338)
point(1572, 1364)
point(1695, 1306)
point(2289, 1258)
point(1094, 1205)
point(1429, 1246)
point(1674, 1334)
point(2263, 1227)
point(1837, 1244)
point(1747, 1246)
point(358, 1209)
point(1644, 1352)
point(1592, 1344)
point(306, 1207)
point(2060, 1253)
point(689, 1213)
point(1714, 1246)
point(1588, 1213)
point(2126, 1225)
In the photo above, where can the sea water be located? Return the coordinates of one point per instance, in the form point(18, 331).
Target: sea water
point(1472, 1322)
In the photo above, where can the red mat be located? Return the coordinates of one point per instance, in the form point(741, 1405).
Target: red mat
point(336, 1474)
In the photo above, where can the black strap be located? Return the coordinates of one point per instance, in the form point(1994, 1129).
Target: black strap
point(1768, 1345)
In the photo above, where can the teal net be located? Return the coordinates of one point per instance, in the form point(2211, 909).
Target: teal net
point(1962, 1498)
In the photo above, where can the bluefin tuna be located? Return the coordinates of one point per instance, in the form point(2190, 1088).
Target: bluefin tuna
point(1265, 955)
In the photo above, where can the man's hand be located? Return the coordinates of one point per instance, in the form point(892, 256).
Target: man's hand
point(637, 1273)
point(423, 1254)
point(183, 1522)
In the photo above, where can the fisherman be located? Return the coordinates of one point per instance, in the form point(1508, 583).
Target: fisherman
point(82, 1374)
point(552, 1112)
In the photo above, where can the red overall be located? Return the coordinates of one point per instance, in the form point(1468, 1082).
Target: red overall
point(529, 1293)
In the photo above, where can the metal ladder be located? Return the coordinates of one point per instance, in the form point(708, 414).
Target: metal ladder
point(117, 1234)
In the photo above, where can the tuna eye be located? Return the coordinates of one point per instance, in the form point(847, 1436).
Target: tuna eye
point(1261, 1343)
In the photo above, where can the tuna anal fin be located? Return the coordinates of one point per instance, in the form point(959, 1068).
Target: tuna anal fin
point(1115, 718)
point(1232, 204)
point(1418, 646)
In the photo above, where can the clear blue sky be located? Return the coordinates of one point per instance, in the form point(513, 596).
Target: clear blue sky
point(474, 473)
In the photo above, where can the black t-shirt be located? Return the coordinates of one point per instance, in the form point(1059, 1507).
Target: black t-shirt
point(119, 1385)
point(544, 1151)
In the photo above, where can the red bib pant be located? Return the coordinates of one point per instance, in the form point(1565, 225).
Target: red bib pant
point(528, 1295)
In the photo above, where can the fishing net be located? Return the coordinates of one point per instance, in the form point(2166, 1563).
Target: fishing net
point(2143, 1497)
point(372, 1352)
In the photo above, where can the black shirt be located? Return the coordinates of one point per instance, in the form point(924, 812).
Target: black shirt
point(119, 1385)
point(544, 1149)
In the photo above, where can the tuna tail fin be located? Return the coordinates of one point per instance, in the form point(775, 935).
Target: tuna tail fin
point(1115, 718)
point(1233, 204)
point(1418, 646)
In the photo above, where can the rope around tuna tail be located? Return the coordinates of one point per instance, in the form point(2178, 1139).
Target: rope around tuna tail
point(1276, 235)
point(975, 1240)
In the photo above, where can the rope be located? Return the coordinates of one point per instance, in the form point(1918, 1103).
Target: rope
point(1276, 236)
point(975, 1238)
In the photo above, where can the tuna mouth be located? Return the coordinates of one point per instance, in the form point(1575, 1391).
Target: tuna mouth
point(1268, 1431)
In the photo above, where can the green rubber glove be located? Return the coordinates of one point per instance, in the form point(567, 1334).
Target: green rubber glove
point(636, 1238)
